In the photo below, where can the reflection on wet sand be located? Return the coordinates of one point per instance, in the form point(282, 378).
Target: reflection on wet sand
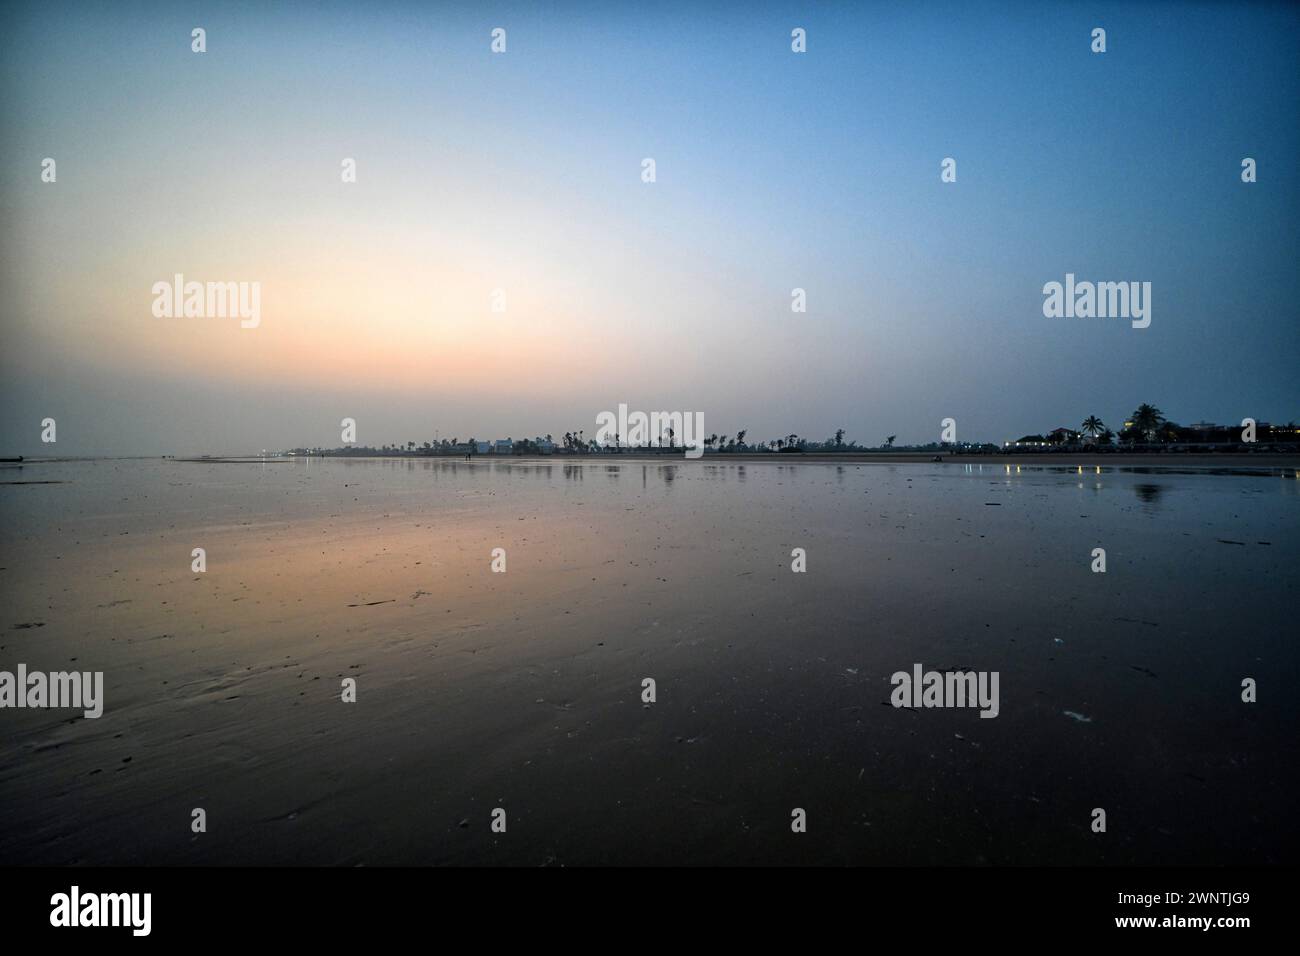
point(477, 689)
point(1147, 492)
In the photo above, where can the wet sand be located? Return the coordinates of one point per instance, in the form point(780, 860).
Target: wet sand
point(522, 690)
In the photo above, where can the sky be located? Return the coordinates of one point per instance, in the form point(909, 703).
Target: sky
point(522, 172)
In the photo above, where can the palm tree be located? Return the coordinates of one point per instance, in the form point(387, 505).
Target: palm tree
point(740, 436)
point(1147, 420)
point(889, 442)
point(1094, 425)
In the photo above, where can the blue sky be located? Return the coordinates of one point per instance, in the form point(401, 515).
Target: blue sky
point(520, 171)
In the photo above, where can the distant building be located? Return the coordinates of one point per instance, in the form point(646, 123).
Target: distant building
point(503, 446)
point(482, 447)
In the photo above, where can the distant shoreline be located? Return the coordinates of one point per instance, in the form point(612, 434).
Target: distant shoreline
point(1056, 458)
point(1082, 458)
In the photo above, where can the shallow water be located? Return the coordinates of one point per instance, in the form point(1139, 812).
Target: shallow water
point(522, 690)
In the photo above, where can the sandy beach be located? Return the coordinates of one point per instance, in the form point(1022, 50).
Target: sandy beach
point(521, 690)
